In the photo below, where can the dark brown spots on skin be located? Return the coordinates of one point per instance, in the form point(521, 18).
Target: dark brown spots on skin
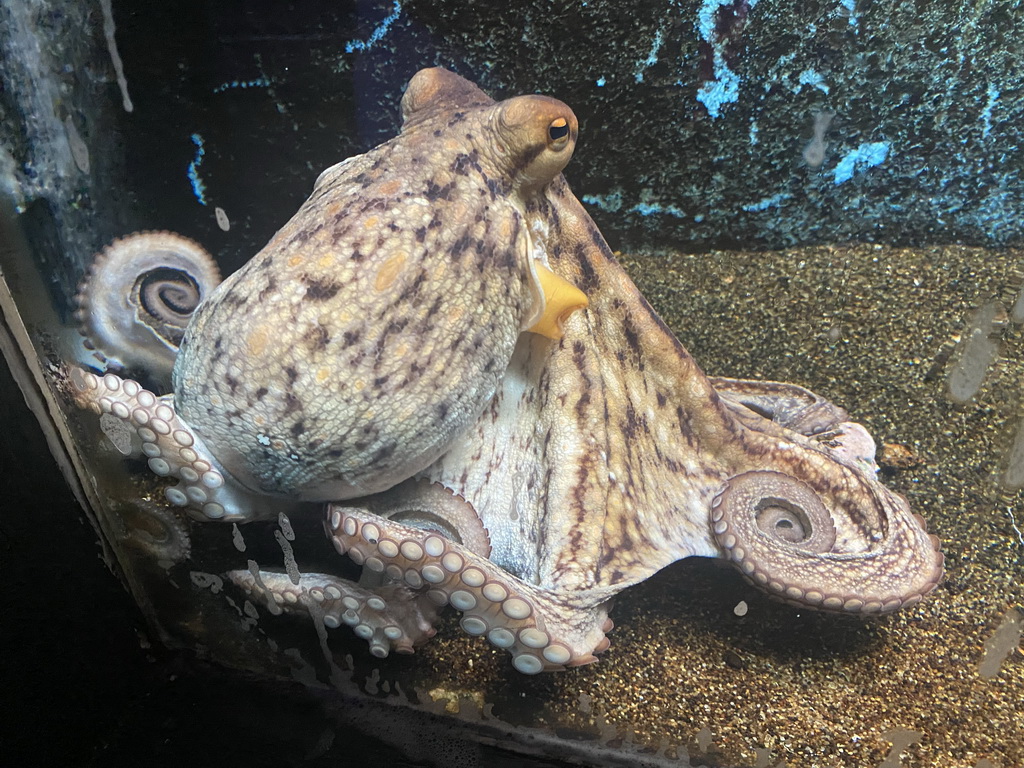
point(233, 300)
point(291, 404)
point(582, 485)
point(662, 399)
point(579, 351)
point(511, 260)
point(413, 288)
point(261, 393)
point(583, 403)
point(302, 235)
point(421, 234)
point(633, 425)
point(268, 289)
point(632, 339)
point(435, 191)
point(579, 357)
point(317, 338)
point(291, 373)
point(684, 425)
point(297, 428)
point(442, 410)
point(526, 159)
point(335, 452)
point(464, 163)
point(497, 188)
point(319, 289)
point(394, 326)
point(461, 245)
point(351, 337)
point(384, 452)
point(588, 283)
point(551, 212)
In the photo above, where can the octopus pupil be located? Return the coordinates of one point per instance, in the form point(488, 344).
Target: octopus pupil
point(558, 131)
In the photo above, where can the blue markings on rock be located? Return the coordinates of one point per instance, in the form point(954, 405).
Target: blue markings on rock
point(198, 187)
point(811, 76)
point(613, 202)
point(725, 87)
point(652, 57)
point(867, 155)
point(850, 8)
point(986, 113)
point(378, 33)
point(768, 202)
point(647, 209)
point(259, 82)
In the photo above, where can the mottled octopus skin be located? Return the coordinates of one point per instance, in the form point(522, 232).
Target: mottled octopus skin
point(376, 324)
point(601, 458)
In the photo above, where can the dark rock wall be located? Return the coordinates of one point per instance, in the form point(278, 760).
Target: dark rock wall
point(703, 124)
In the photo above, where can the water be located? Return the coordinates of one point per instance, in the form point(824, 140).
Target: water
point(704, 156)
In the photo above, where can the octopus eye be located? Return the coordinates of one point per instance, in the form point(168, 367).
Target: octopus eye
point(558, 134)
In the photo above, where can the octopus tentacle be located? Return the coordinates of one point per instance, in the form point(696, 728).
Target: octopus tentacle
point(172, 448)
point(788, 405)
point(853, 445)
point(783, 539)
point(390, 617)
point(802, 411)
point(138, 296)
point(541, 632)
point(430, 507)
point(156, 529)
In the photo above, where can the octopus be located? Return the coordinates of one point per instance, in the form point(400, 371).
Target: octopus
point(440, 355)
